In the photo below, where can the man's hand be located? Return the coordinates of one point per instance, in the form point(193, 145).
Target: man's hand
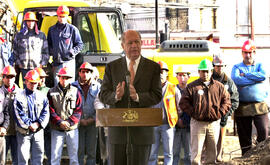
point(242, 74)
point(120, 90)
point(132, 92)
point(34, 126)
point(64, 125)
point(3, 131)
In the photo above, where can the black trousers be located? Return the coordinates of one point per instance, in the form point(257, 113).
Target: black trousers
point(139, 155)
point(244, 130)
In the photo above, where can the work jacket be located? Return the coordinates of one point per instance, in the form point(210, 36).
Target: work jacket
point(30, 49)
point(88, 109)
point(7, 98)
point(65, 106)
point(64, 42)
point(205, 103)
point(30, 107)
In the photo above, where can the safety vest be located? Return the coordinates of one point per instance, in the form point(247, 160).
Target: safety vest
point(64, 104)
point(170, 105)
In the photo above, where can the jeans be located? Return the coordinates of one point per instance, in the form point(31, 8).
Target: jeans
point(71, 65)
point(72, 140)
point(2, 150)
point(181, 139)
point(11, 142)
point(31, 145)
point(47, 143)
point(87, 144)
point(166, 134)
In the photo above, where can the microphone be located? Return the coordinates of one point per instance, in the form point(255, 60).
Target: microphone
point(128, 82)
point(128, 78)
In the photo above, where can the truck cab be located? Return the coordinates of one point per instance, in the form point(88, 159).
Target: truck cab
point(100, 28)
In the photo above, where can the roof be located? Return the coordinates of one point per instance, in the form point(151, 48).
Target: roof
point(55, 3)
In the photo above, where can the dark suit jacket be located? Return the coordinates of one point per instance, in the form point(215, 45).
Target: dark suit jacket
point(148, 86)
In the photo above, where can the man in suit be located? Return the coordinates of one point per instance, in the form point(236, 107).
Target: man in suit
point(144, 90)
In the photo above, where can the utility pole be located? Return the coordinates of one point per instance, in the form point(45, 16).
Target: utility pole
point(156, 18)
point(251, 20)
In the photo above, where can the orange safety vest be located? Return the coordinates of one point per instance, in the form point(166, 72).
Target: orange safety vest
point(170, 104)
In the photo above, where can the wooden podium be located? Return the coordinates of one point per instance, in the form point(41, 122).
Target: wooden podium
point(128, 117)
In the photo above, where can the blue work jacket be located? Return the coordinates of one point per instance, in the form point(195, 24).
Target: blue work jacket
point(252, 86)
point(88, 102)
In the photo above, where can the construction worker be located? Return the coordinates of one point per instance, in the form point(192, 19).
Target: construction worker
point(89, 89)
point(64, 42)
point(249, 77)
point(206, 101)
point(65, 107)
point(6, 104)
point(31, 116)
point(30, 46)
point(8, 93)
point(47, 131)
point(170, 107)
point(182, 127)
point(219, 75)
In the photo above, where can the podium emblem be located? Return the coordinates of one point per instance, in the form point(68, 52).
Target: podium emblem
point(130, 116)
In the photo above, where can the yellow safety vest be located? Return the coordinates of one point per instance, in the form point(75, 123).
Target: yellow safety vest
point(170, 105)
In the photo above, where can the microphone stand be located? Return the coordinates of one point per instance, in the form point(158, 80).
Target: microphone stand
point(129, 148)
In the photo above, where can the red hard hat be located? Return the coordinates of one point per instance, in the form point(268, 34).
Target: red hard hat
point(163, 65)
point(30, 16)
point(41, 72)
point(9, 70)
point(63, 11)
point(32, 76)
point(64, 72)
point(248, 46)
point(86, 65)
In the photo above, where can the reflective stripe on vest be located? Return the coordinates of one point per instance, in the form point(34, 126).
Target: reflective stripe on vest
point(170, 105)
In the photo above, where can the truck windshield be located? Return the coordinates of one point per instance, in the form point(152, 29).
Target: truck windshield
point(100, 32)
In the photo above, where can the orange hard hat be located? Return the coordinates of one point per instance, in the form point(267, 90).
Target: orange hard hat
point(41, 72)
point(32, 76)
point(64, 72)
point(163, 65)
point(30, 16)
point(86, 65)
point(9, 70)
point(248, 46)
point(63, 11)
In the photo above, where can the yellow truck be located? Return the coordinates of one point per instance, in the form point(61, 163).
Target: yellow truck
point(185, 53)
point(100, 28)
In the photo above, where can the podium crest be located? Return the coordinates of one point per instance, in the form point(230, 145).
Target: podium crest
point(130, 116)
